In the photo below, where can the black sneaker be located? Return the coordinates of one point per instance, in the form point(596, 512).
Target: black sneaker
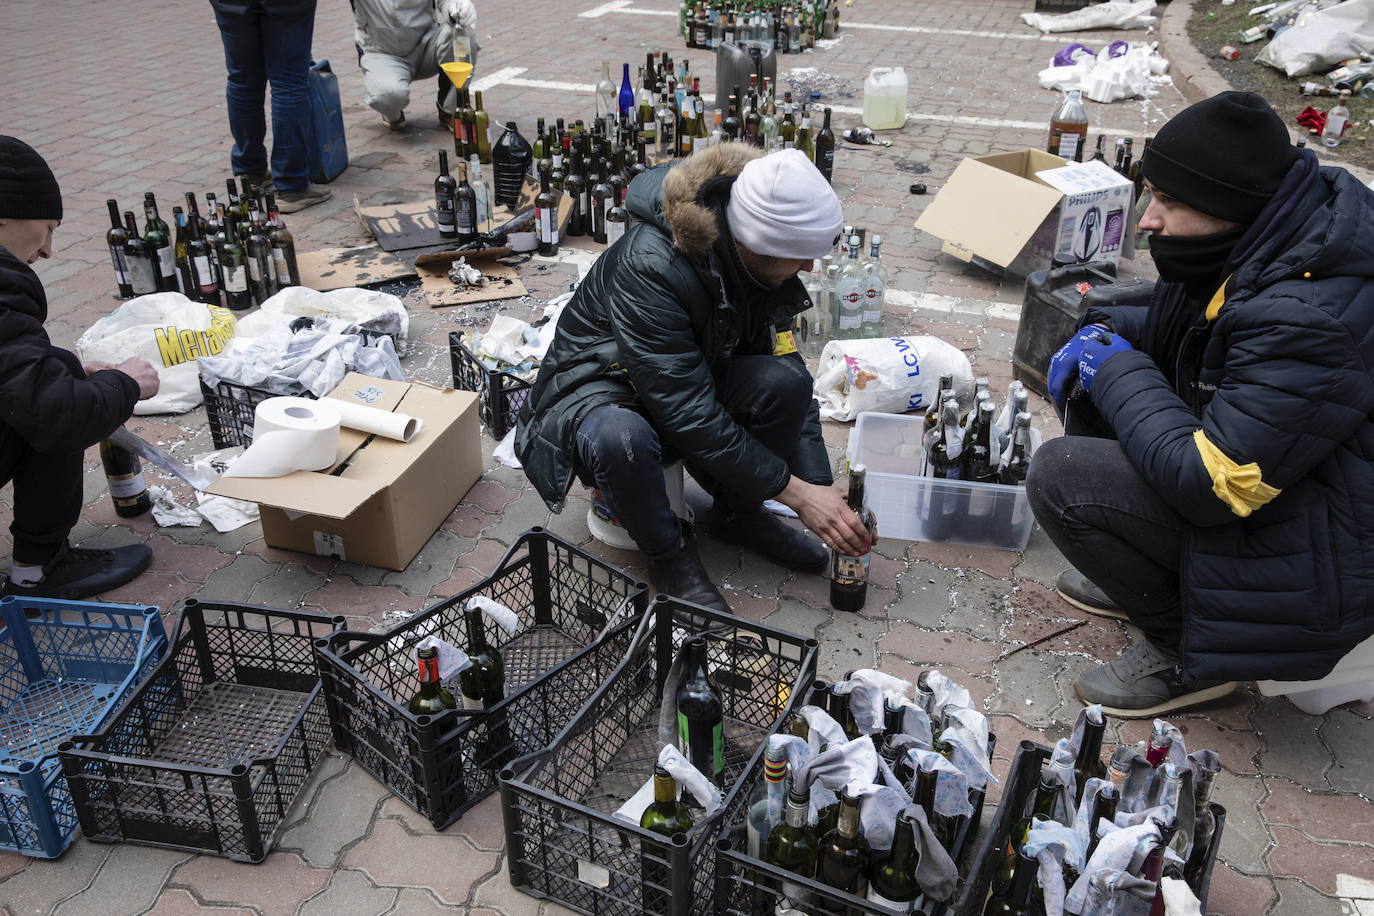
point(765, 532)
point(1145, 682)
point(79, 572)
point(294, 201)
point(1078, 590)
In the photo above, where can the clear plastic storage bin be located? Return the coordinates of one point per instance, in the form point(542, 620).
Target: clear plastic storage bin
point(911, 507)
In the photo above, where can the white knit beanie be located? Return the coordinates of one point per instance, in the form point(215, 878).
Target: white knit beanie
point(781, 206)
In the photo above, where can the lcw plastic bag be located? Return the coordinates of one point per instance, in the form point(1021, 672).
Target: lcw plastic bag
point(885, 374)
point(169, 331)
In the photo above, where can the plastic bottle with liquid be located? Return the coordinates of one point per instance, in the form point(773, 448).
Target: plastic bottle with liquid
point(885, 93)
point(1069, 128)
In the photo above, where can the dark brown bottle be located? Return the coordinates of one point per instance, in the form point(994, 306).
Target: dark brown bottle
point(825, 148)
point(124, 472)
point(445, 187)
point(546, 215)
point(849, 575)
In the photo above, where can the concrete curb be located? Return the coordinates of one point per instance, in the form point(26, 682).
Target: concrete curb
point(1193, 75)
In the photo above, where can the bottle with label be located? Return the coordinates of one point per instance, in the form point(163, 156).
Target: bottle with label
point(850, 291)
point(481, 128)
point(665, 816)
point(262, 270)
point(700, 714)
point(283, 247)
point(602, 199)
point(124, 473)
point(483, 192)
point(465, 207)
point(617, 219)
point(804, 141)
point(825, 149)
point(1336, 120)
point(204, 278)
point(577, 188)
point(787, 127)
point(849, 575)
point(892, 876)
point(1069, 127)
point(233, 265)
point(483, 685)
point(875, 290)
point(139, 259)
point(115, 239)
point(701, 133)
point(792, 846)
point(546, 216)
point(432, 698)
point(769, 801)
point(179, 223)
point(444, 187)
point(842, 857)
point(159, 241)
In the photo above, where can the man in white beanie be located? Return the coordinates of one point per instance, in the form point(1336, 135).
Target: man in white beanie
point(676, 347)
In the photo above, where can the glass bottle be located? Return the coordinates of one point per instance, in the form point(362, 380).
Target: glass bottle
point(1088, 764)
point(850, 291)
point(605, 94)
point(1204, 827)
point(1069, 127)
point(445, 185)
point(792, 846)
point(875, 289)
point(432, 698)
point(842, 855)
point(481, 125)
point(602, 199)
point(465, 207)
point(1104, 808)
point(234, 268)
point(482, 191)
point(927, 778)
point(546, 216)
point(942, 464)
point(812, 328)
point(804, 141)
point(483, 684)
point(626, 101)
point(700, 714)
point(849, 575)
point(1157, 751)
point(666, 815)
point(665, 133)
point(768, 126)
point(732, 125)
point(199, 258)
point(116, 238)
point(183, 233)
point(124, 474)
point(1336, 120)
point(825, 152)
point(283, 246)
point(159, 241)
point(577, 188)
point(1018, 898)
point(787, 127)
point(258, 251)
point(768, 802)
point(892, 876)
point(617, 219)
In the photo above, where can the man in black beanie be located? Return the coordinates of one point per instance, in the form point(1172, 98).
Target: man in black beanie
point(51, 406)
point(1231, 517)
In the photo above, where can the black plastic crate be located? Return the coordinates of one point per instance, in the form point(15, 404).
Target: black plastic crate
point(442, 765)
point(562, 843)
point(500, 395)
point(209, 753)
point(1030, 759)
point(230, 408)
point(746, 885)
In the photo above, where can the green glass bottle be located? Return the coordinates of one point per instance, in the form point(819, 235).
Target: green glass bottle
point(158, 238)
point(665, 816)
point(1017, 900)
point(792, 846)
point(432, 697)
point(1088, 764)
point(700, 714)
point(842, 858)
point(942, 825)
point(1043, 808)
point(892, 877)
point(483, 685)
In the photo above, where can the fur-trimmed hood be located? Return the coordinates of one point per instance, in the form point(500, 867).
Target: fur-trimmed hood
point(691, 222)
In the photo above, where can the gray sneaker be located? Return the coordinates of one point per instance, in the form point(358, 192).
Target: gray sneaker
point(294, 201)
point(1145, 682)
point(1078, 590)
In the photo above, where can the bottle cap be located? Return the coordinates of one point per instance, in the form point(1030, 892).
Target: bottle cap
point(918, 188)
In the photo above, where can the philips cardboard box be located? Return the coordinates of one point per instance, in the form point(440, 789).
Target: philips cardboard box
point(382, 499)
point(1015, 212)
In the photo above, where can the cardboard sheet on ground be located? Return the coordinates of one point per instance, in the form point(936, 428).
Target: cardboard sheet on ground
point(501, 280)
point(410, 224)
point(338, 268)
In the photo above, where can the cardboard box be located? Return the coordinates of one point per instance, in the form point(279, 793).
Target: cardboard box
point(382, 499)
point(1014, 212)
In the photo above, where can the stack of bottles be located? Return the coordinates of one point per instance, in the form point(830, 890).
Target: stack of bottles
point(239, 255)
point(872, 786)
point(1099, 835)
point(847, 293)
point(981, 445)
point(790, 27)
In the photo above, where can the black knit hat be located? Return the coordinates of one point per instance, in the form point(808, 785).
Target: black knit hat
point(1225, 156)
point(28, 188)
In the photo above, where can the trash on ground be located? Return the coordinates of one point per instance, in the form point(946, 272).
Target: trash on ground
point(1318, 40)
point(1122, 70)
point(1116, 15)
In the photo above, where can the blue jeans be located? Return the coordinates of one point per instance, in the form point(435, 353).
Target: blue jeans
point(260, 47)
point(619, 449)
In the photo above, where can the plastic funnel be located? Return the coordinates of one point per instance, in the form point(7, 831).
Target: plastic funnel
point(457, 72)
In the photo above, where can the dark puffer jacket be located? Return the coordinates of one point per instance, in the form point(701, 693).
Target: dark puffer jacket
point(42, 398)
point(653, 325)
point(1264, 442)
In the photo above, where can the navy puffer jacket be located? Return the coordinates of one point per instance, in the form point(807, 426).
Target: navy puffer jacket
point(1264, 441)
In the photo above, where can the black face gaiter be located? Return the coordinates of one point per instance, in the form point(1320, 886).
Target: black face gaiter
point(1195, 261)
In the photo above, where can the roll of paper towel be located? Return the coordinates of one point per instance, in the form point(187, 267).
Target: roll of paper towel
point(380, 422)
point(290, 434)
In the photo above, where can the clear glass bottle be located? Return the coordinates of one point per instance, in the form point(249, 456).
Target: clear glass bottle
point(1336, 120)
point(606, 94)
point(769, 801)
point(850, 290)
point(875, 290)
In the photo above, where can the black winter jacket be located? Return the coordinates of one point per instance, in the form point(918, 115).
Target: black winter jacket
point(52, 408)
point(1264, 441)
point(653, 326)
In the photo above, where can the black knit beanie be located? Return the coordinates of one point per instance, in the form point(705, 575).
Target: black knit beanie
point(28, 188)
point(1225, 156)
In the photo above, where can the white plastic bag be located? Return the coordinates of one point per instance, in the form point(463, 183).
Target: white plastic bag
point(169, 331)
point(1118, 15)
point(884, 374)
point(1319, 41)
point(366, 308)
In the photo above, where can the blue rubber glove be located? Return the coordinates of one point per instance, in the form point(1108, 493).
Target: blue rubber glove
point(1095, 353)
point(1064, 365)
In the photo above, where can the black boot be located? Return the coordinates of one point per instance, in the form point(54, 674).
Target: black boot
point(683, 576)
point(765, 532)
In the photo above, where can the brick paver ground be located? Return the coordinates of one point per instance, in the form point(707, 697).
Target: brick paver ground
point(124, 96)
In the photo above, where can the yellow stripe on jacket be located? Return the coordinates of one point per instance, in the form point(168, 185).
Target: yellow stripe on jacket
point(1240, 486)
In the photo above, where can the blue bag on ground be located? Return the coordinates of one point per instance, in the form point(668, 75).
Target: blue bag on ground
point(328, 151)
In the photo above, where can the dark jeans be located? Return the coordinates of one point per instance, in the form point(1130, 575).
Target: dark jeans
point(47, 490)
point(260, 47)
point(620, 450)
point(1113, 527)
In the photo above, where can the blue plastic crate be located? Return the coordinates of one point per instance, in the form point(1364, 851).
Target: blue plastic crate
point(64, 667)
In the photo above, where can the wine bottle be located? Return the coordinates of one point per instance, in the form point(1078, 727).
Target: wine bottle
point(481, 127)
point(602, 199)
point(261, 269)
point(234, 268)
point(204, 278)
point(849, 574)
point(666, 816)
point(1104, 808)
point(892, 877)
point(617, 219)
point(626, 100)
point(159, 241)
point(546, 216)
point(283, 247)
point(576, 187)
point(825, 148)
point(1204, 828)
point(445, 187)
point(234, 206)
point(465, 207)
point(1017, 899)
point(1017, 466)
point(124, 473)
point(1046, 794)
point(182, 234)
point(139, 259)
point(1088, 764)
point(700, 714)
point(842, 856)
point(432, 698)
point(927, 777)
point(482, 191)
point(769, 801)
point(1160, 742)
point(115, 239)
point(483, 684)
point(792, 846)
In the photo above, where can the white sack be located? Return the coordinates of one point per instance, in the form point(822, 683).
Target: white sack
point(1135, 15)
point(366, 308)
point(1323, 39)
point(885, 374)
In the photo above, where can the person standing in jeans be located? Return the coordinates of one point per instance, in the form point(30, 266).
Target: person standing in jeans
point(269, 41)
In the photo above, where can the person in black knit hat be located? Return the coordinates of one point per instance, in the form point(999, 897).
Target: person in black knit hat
point(1231, 516)
point(52, 407)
